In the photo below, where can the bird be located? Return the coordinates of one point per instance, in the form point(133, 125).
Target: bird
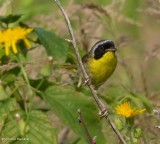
point(100, 62)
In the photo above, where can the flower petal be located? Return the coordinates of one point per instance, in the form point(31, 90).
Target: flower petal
point(27, 43)
point(7, 46)
point(11, 36)
point(14, 48)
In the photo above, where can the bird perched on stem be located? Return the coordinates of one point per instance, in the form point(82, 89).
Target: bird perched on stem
point(100, 62)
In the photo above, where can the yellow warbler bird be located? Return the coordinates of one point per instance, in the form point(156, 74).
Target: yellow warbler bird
point(100, 62)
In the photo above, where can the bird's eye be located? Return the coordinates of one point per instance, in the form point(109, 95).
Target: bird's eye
point(101, 48)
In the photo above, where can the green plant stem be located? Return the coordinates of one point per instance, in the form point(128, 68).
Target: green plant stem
point(27, 81)
point(40, 83)
point(101, 106)
point(130, 124)
point(31, 95)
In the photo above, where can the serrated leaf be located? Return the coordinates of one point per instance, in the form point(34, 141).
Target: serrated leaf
point(65, 102)
point(39, 129)
point(54, 45)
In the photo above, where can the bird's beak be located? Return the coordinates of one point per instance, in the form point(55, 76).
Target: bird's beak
point(112, 49)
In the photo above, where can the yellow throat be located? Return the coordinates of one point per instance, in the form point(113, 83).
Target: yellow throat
point(101, 69)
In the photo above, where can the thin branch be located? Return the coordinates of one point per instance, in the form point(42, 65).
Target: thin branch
point(73, 41)
point(12, 65)
point(81, 121)
point(101, 106)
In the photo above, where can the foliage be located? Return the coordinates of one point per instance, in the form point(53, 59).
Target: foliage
point(39, 96)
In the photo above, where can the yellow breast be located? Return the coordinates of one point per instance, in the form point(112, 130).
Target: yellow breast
point(101, 69)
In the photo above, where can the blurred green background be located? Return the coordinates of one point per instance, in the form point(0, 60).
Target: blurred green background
point(132, 24)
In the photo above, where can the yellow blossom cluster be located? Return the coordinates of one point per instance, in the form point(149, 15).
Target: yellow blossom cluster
point(126, 110)
point(11, 36)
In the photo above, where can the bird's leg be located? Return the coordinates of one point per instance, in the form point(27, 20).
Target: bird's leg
point(80, 82)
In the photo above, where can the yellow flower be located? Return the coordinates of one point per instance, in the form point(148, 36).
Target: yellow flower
point(11, 36)
point(126, 110)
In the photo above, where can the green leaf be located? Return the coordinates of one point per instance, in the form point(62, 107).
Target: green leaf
point(21, 24)
point(54, 45)
point(65, 102)
point(145, 101)
point(46, 71)
point(113, 95)
point(40, 84)
point(39, 129)
point(3, 94)
point(6, 107)
point(10, 18)
point(9, 77)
